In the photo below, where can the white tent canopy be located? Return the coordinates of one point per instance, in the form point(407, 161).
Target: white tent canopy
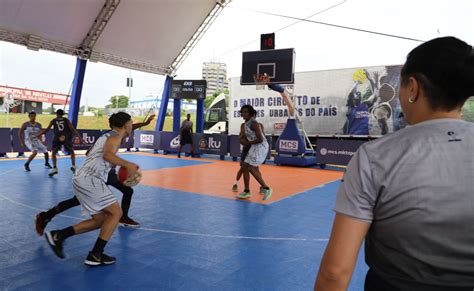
point(148, 35)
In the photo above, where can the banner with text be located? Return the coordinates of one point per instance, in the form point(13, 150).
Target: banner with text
point(358, 101)
point(147, 139)
point(336, 151)
point(169, 141)
point(32, 95)
point(215, 144)
point(89, 136)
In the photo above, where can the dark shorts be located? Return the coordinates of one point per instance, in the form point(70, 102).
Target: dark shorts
point(245, 151)
point(57, 144)
point(186, 137)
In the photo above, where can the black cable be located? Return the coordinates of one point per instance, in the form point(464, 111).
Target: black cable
point(318, 22)
point(341, 26)
point(284, 27)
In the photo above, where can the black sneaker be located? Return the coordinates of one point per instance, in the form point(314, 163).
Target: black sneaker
point(73, 169)
point(53, 172)
point(47, 166)
point(27, 168)
point(40, 224)
point(56, 244)
point(128, 222)
point(102, 259)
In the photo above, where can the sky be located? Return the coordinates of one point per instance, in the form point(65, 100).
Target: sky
point(238, 29)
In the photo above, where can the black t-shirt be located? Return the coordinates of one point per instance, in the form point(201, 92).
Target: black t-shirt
point(61, 127)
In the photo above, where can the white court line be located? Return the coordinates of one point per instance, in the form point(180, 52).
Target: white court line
point(169, 231)
point(296, 194)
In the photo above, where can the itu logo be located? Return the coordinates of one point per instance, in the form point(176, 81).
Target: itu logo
point(88, 139)
point(214, 144)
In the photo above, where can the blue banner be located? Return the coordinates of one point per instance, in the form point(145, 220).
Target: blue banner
point(89, 137)
point(148, 139)
point(169, 142)
point(16, 141)
point(215, 144)
point(336, 151)
point(5, 140)
point(127, 142)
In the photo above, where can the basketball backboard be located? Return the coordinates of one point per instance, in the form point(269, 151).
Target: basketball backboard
point(277, 64)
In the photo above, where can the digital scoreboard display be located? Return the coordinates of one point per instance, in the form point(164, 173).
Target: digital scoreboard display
point(188, 89)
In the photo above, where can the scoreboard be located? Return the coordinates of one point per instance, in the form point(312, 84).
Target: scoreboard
point(188, 89)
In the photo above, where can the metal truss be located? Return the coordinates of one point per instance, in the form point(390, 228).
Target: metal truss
point(86, 49)
point(34, 42)
point(98, 26)
point(129, 63)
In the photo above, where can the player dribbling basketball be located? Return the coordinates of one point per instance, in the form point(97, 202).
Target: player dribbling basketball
point(89, 186)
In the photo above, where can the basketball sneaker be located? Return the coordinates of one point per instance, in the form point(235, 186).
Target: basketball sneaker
point(235, 188)
point(53, 172)
point(128, 222)
point(55, 243)
point(244, 195)
point(27, 168)
point(73, 169)
point(262, 191)
point(47, 166)
point(40, 224)
point(100, 260)
point(267, 193)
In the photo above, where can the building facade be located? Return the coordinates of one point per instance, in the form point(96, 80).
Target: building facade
point(216, 76)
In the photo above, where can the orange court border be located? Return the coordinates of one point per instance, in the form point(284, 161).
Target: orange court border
point(217, 177)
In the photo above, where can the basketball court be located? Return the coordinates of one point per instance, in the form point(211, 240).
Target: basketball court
point(195, 235)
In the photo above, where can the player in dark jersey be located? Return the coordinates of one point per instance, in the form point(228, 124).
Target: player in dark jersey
point(63, 131)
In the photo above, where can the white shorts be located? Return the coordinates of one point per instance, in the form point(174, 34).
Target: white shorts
point(93, 194)
point(257, 154)
point(36, 145)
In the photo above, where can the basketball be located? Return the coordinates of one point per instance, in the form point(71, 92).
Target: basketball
point(128, 180)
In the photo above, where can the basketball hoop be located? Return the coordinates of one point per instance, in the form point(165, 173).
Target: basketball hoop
point(261, 80)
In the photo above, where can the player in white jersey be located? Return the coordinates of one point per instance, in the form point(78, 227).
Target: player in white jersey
point(251, 134)
point(90, 188)
point(28, 138)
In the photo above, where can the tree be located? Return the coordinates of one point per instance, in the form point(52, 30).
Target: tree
point(122, 102)
point(208, 101)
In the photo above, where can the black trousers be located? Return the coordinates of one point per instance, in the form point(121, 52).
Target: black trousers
point(113, 181)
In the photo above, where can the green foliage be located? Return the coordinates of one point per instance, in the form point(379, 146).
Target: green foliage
point(99, 121)
point(208, 101)
point(122, 102)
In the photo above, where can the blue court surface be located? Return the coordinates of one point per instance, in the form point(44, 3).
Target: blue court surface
point(187, 241)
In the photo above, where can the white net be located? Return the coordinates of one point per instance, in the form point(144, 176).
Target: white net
point(260, 81)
